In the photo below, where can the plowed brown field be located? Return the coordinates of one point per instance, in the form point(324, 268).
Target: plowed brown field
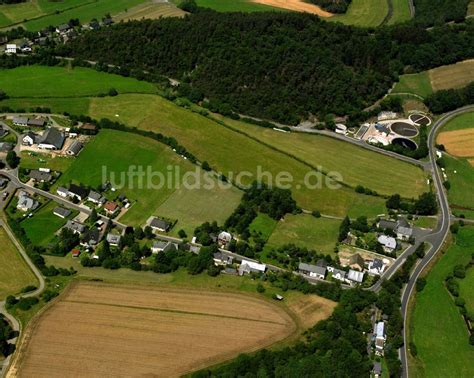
point(296, 5)
point(112, 330)
point(458, 143)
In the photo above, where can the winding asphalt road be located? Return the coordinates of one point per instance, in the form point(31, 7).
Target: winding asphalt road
point(437, 237)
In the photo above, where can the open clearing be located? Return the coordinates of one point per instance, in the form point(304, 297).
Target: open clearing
point(319, 234)
point(142, 330)
point(295, 5)
point(369, 13)
point(150, 10)
point(14, 273)
point(437, 327)
point(110, 152)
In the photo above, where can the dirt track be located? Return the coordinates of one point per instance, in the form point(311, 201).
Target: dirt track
point(295, 5)
point(106, 330)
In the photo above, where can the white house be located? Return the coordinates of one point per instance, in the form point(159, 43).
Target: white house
point(96, 198)
point(341, 129)
point(11, 48)
point(389, 244)
point(312, 270)
point(62, 192)
point(29, 139)
point(25, 202)
point(251, 267)
point(376, 267)
point(380, 338)
point(354, 276)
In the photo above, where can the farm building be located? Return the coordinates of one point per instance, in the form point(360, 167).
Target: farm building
point(312, 270)
point(251, 267)
point(74, 148)
point(222, 259)
point(52, 139)
point(20, 121)
point(158, 224)
point(354, 276)
point(36, 122)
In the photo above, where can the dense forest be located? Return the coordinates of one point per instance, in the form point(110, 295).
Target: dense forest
point(333, 6)
point(450, 99)
point(433, 12)
point(279, 66)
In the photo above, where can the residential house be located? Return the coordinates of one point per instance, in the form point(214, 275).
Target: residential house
point(114, 240)
point(78, 192)
point(63, 28)
point(62, 192)
point(25, 47)
point(386, 224)
point(74, 148)
point(388, 243)
point(11, 48)
point(404, 229)
point(377, 369)
point(158, 224)
point(312, 270)
point(223, 239)
point(94, 25)
point(91, 238)
point(39, 176)
point(29, 139)
point(88, 128)
point(222, 259)
point(75, 253)
point(25, 202)
point(251, 267)
point(96, 198)
point(76, 227)
point(111, 208)
point(36, 122)
point(5, 147)
point(162, 246)
point(376, 267)
point(52, 139)
point(354, 276)
point(20, 121)
point(380, 338)
point(61, 212)
point(337, 274)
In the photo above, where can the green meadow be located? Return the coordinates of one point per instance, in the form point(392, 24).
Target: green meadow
point(110, 155)
point(367, 13)
point(231, 6)
point(400, 12)
point(437, 328)
point(304, 230)
point(43, 225)
point(418, 84)
point(461, 122)
point(263, 225)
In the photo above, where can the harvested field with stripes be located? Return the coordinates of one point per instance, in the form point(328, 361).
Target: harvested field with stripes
point(98, 329)
point(459, 143)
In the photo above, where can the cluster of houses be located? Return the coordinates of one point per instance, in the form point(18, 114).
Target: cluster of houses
point(245, 266)
point(400, 228)
point(321, 270)
point(52, 140)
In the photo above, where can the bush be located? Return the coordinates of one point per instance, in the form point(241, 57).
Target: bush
point(420, 284)
point(25, 304)
point(316, 214)
point(260, 288)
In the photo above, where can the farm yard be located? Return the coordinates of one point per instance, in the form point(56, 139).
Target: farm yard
point(458, 139)
point(14, 272)
point(128, 321)
point(445, 77)
point(437, 326)
point(38, 14)
point(107, 151)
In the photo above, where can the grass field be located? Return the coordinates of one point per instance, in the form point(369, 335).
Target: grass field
point(42, 81)
point(400, 12)
point(14, 273)
point(53, 162)
point(117, 151)
point(78, 105)
point(155, 325)
point(263, 225)
point(465, 289)
point(319, 234)
point(378, 172)
point(458, 139)
point(42, 226)
point(149, 10)
point(437, 327)
point(220, 146)
point(231, 6)
point(445, 77)
point(369, 13)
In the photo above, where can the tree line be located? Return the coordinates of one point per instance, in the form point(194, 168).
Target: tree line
point(278, 66)
point(450, 99)
point(333, 6)
point(433, 12)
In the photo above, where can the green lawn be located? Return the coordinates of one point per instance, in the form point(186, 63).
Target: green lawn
point(369, 13)
point(418, 84)
point(307, 231)
point(42, 81)
point(370, 169)
point(42, 226)
point(462, 182)
point(437, 328)
point(263, 225)
point(231, 5)
point(34, 160)
point(400, 12)
point(461, 122)
point(75, 106)
point(14, 272)
point(113, 152)
point(466, 286)
point(232, 153)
